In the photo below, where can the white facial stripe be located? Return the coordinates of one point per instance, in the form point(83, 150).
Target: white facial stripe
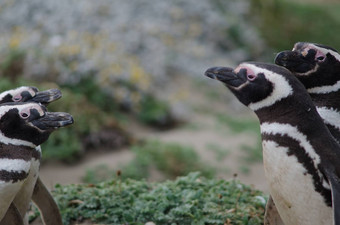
point(5, 140)
point(6, 108)
point(241, 86)
point(281, 87)
point(310, 71)
point(17, 91)
point(294, 133)
point(330, 116)
point(14, 165)
point(325, 51)
point(325, 89)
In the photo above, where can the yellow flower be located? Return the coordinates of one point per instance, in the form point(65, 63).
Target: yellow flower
point(14, 42)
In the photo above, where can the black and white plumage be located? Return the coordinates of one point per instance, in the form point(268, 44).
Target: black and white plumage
point(300, 155)
point(23, 198)
point(23, 126)
point(28, 93)
point(318, 68)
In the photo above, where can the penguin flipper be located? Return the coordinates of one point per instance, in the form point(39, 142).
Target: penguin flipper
point(272, 216)
point(335, 189)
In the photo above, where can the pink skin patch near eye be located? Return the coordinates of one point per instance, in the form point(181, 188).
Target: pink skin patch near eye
point(17, 98)
point(250, 74)
point(319, 56)
point(25, 113)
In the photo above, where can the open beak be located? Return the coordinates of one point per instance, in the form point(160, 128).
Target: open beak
point(53, 120)
point(225, 75)
point(45, 97)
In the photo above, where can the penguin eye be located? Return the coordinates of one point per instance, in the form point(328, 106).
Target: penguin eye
point(251, 77)
point(16, 98)
point(319, 56)
point(249, 73)
point(25, 113)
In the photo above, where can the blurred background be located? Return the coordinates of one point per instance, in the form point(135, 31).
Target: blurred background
point(131, 74)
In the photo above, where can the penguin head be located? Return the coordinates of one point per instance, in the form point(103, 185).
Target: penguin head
point(315, 65)
point(29, 123)
point(26, 93)
point(258, 85)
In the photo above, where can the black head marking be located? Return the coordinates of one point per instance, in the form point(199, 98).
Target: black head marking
point(247, 86)
point(30, 122)
point(315, 65)
point(26, 94)
point(21, 94)
point(258, 84)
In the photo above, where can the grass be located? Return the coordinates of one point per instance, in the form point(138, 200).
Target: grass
point(282, 23)
point(187, 200)
point(238, 125)
point(169, 159)
point(220, 152)
point(253, 153)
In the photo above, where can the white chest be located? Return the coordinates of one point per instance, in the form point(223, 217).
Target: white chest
point(292, 188)
point(7, 194)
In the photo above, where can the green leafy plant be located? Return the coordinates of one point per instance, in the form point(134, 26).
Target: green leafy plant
point(187, 200)
point(64, 145)
point(155, 112)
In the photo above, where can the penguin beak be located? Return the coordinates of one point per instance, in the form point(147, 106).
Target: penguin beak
point(224, 74)
point(45, 97)
point(53, 120)
point(293, 61)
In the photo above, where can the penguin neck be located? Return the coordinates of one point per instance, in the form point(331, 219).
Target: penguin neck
point(301, 114)
point(25, 153)
point(297, 111)
point(329, 100)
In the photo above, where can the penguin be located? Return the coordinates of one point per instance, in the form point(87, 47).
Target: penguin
point(40, 196)
point(318, 68)
point(23, 127)
point(28, 93)
point(300, 156)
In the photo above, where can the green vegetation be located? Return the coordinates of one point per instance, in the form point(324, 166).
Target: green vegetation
point(94, 110)
point(150, 110)
point(282, 23)
point(67, 144)
point(187, 200)
point(238, 125)
point(253, 153)
point(220, 152)
point(12, 63)
point(155, 112)
point(169, 159)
